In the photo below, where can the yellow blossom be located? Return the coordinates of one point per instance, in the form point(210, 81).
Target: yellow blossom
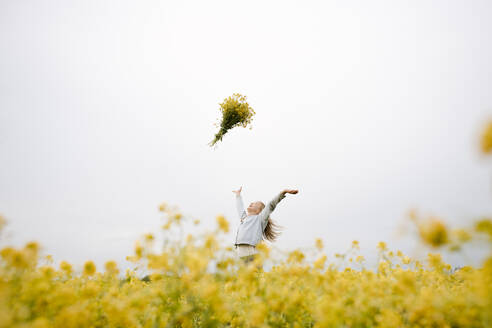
point(89, 268)
point(111, 267)
point(3, 222)
point(264, 249)
point(382, 246)
point(162, 207)
point(138, 250)
point(235, 112)
point(486, 141)
point(320, 262)
point(223, 224)
point(149, 237)
point(433, 232)
point(66, 267)
point(296, 256)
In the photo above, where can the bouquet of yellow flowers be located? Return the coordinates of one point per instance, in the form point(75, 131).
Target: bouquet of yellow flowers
point(235, 112)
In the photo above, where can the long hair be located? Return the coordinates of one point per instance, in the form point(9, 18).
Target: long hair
point(272, 230)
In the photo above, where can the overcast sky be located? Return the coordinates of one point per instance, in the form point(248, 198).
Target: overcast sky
point(369, 108)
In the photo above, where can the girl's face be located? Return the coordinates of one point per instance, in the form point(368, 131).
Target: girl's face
point(255, 208)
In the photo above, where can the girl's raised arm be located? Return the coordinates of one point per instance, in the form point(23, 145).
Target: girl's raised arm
point(265, 213)
point(239, 202)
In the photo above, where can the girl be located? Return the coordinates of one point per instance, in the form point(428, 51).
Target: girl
point(255, 224)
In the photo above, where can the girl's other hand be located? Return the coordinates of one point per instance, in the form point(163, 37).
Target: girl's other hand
point(238, 192)
point(290, 191)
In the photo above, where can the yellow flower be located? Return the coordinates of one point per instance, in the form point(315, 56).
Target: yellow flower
point(3, 222)
point(462, 235)
point(138, 250)
point(49, 258)
point(47, 271)
point(160, 261)
point(319, 244)
point(111, 267)
point(435, 261)
point(484, 226)
point(406, 260)
point(412, 214)
point(210, 242)
point(223, 224)
point(89, 268)
point(433, 232)
point(486, 142)
point(320, 262)
point(295, 256)
point(19, 259)
point(264, 249)
point(235, 112)
point(90, 289)
point(149, 237)
point(162, 207)
point(32, 247)
point(66, 267)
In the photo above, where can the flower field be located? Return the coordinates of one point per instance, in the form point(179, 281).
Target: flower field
point(183, 290)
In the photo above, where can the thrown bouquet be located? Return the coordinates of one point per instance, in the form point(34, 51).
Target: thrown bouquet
point(235, 112)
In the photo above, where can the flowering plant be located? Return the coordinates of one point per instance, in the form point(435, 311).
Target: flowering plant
point(235, 112)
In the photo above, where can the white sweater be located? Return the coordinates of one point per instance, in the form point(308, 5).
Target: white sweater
point(251, 228)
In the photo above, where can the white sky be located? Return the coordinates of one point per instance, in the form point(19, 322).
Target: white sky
point(369, 108)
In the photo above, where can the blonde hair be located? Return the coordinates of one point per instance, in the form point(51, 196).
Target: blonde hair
point(272, 230)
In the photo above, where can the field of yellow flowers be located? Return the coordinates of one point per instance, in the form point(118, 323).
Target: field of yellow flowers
point(195, 282)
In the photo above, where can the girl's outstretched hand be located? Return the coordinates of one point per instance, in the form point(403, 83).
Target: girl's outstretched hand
point(289, 191)
point(238, 192)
